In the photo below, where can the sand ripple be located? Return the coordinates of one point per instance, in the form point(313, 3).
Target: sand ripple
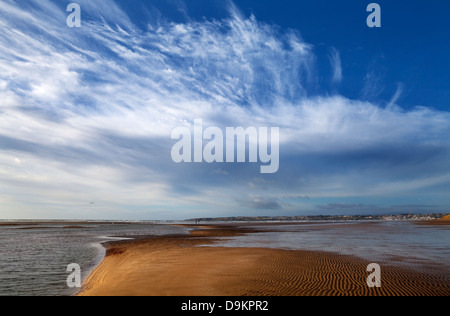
point(181, 266)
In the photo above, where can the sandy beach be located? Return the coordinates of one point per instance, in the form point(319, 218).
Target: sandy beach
point(185, 266)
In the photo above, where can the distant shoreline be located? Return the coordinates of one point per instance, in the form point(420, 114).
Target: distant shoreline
point(424, 216)
point(418, 217)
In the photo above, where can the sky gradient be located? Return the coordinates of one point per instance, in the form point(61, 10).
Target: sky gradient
point(86, 114)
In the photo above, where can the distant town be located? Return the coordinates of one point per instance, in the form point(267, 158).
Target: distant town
point(397, 217)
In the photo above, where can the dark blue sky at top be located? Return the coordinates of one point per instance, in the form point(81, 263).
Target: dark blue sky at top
point(411, 50)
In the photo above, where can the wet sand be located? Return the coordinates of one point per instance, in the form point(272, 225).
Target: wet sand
point(441, 221)
point(186, 266)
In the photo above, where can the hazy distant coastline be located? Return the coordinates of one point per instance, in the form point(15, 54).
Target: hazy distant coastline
point(419, 217)
point(387, 217)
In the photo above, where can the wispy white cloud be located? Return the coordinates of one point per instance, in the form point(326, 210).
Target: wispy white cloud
point(396, 95)
point(336, 65)
point(374, 80)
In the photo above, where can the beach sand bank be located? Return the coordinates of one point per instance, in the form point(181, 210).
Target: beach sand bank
point(186, 266)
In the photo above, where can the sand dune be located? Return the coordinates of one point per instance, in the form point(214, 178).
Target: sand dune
point(181, 266)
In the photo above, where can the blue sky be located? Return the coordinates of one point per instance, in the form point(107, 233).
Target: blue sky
point(86, 113)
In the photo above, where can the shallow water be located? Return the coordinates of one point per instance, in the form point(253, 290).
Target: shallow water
point(395, 242)
point(34, 259)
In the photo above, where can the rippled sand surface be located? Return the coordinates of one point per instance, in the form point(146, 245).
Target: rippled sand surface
point(184, 266)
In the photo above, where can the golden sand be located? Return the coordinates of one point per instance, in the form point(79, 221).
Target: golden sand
point(440, 221)
point(184, 266)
